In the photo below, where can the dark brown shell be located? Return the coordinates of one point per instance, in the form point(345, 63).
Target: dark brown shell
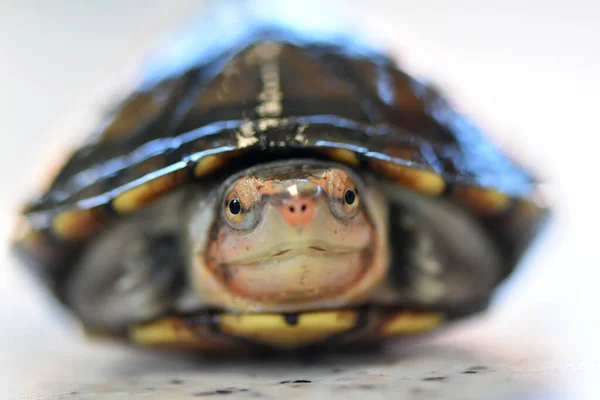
point(276, 93)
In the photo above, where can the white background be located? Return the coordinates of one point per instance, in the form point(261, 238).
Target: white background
point(528, 71)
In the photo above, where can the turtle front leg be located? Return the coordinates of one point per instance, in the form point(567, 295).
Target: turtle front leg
point(129, 274)
point(442, 257)
point(151, 269)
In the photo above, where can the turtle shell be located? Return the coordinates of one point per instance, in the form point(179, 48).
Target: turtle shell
point(272, 94)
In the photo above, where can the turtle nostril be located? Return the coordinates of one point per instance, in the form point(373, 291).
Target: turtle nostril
point(298, 211)
point(301, 209)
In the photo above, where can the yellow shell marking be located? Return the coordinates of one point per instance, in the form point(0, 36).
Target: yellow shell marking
point(482, 201)
point(77, 224)
point(410, 323)
point(272, 329)
point(144, 194)
point(344, 156)
point(162, 332)
point(209, 164)
point(171, 331)
point(423, 181)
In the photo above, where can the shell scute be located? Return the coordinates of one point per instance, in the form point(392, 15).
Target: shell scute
point(142, 195)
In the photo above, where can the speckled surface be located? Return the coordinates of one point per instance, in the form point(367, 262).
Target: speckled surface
point(481, 358)
point(420, 371)
point(526, 68)
point(432, 373)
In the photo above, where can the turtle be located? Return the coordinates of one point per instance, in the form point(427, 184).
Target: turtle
point(274, 188)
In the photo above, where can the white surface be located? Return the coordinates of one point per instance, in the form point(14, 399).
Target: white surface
point(526, 70)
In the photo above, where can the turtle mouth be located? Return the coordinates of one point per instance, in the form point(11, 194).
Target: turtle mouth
point(314, 248)
point(295, 272)
point(286, 250)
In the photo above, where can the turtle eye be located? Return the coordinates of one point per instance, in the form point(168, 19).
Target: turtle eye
point(241, 209)
point(346, 203)
point(234, 214)
point(234, 206)
point(350, 201)
point(239, 217)
point(341, 189)
point(350, 197)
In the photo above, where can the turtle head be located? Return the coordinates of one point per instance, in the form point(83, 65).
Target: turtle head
point(288, 236)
